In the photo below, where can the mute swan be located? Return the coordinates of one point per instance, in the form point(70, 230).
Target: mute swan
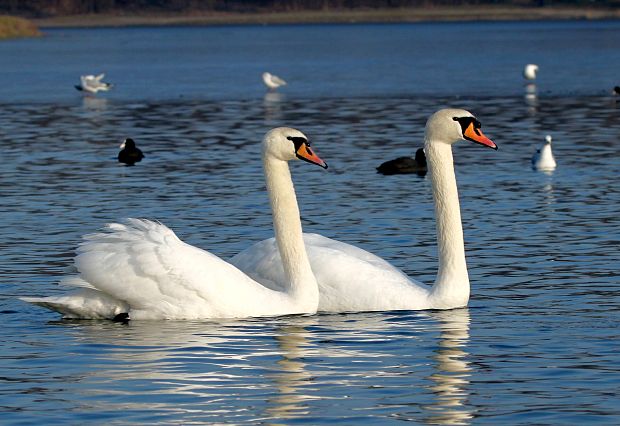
point(529, 72)
point(405, 165)
point(142, 268)
point(351, 279)
point(272, 81)
point(543, 158)
point(93, 84)
point(130, 153)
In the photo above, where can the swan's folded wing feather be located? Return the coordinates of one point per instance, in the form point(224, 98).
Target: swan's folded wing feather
point(146, 265)
point(350, 278)
point(262, 262)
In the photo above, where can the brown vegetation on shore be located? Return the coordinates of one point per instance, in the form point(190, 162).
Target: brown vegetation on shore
point(11, 27)
point(470, 13)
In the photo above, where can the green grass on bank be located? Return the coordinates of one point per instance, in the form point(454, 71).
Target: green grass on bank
point(11, 27)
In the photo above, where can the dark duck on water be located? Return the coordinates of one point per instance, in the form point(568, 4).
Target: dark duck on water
point(129, 153)
point(405, 165)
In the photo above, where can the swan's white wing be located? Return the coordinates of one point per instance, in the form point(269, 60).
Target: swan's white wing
point(350, 278)
point(145, 265)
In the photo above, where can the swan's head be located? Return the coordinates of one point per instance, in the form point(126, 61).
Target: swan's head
point(452, 125)
point(548, 139)
point(285, 143)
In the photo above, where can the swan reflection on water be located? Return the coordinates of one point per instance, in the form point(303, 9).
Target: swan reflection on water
point(296, 386)
point(290, 374)
point(453, 371)
point(205, 370)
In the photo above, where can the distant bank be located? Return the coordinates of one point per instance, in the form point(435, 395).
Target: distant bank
point(12, 27)
point(434, 14)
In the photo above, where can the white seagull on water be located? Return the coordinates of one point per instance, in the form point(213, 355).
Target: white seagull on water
point(529, 72)
point(543, 158)
point(92, 84)
point(272, 81)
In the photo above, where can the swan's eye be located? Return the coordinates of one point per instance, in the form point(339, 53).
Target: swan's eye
point(465, 122)
point(298, 141)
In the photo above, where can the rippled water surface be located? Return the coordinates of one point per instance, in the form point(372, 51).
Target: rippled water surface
point(538, 343)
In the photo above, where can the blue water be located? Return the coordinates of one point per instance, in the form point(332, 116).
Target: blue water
point(223, 63)
point(538, 343)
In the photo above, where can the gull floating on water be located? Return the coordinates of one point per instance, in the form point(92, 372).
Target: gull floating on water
point(92, 84)
point(272, 81)
point(543, 158)
point(529, 72)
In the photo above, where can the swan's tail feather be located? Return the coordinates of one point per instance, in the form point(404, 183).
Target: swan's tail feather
point(84, 303)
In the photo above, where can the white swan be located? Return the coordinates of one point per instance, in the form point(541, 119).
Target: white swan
point(543, 157)
point(272, 81)
point(529, 72)
point(93, 84)
point(143, 269)
point(352, 279)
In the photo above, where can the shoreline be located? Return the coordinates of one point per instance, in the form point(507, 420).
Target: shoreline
point(409, 15)
point(15, 27)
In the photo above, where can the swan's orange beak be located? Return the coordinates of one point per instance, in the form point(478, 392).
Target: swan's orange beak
point(304, 152)
point(475, 135)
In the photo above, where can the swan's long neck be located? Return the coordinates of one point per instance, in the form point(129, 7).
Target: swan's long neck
point(451, 288)
point(287, 228)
